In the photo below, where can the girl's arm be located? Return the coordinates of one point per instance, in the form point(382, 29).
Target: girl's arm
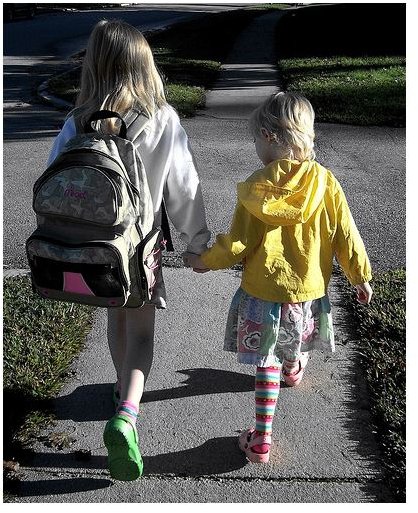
point(349, 247)
point(183, 194)
point(245, 234)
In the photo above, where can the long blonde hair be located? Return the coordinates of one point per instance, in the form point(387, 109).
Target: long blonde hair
point(118, 73)
point(289, 120)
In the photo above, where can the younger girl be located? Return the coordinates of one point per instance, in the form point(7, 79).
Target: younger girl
point(291, 218)
point(119, 74)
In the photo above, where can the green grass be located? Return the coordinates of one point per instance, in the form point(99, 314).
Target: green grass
point(194, 72)
point(186, 99)
point(345, 63)
point(353, 90)
point(40, 340)
point(381, 330)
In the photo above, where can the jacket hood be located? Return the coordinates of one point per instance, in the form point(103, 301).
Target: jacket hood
point(285, 192)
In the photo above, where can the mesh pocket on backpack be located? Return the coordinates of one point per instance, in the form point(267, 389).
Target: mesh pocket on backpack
point(89, 274)
point(100, 280)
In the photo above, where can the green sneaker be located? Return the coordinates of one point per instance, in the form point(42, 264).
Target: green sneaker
point(121, 440)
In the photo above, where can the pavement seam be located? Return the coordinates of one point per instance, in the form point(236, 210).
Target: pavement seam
point(365, 479)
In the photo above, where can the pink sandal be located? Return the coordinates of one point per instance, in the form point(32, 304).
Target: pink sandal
point(247, 441)
point(295, 378)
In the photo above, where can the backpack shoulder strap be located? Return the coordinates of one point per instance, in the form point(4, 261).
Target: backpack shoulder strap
point(76, 113)
point(136, 121)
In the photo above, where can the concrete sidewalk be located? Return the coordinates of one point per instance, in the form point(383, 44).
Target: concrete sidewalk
point(197, 401)
point(249, 74)
point(198, 398)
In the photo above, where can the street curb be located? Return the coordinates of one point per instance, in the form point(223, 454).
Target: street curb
point(45, 95)
point(43, 90)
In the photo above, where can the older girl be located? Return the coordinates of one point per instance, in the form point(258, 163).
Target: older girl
point(119, 74)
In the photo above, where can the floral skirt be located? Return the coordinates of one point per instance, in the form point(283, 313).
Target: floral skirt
point(263, 333)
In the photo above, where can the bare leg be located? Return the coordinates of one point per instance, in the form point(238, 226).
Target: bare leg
point(116, 337)
point(132, 353)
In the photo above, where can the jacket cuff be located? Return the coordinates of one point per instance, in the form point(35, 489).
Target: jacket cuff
point(212, 260)
point(359, 279)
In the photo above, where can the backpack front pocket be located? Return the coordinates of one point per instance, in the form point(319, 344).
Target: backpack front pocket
point(90, 273)
point(81, 194)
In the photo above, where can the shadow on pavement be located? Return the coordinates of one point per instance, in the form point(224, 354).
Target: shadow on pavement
point(359, 426)
point(97, 404)
point(215, 456)
point(202, 382)
point(356, 416)
point(61, 486)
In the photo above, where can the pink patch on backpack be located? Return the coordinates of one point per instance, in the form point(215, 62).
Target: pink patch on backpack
point(74, 282)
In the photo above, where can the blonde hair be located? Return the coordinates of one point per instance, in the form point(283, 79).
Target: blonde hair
point(289, 120)
point(119, 72)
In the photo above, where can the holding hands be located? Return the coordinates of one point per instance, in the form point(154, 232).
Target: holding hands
point(194, 261)
point(364, 290)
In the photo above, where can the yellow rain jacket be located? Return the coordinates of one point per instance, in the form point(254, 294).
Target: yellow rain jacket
point(291, 218)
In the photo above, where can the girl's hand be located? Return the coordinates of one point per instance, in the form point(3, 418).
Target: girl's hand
point(364, 293)
point(191, 260)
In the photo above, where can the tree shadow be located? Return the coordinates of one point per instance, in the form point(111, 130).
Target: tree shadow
point(351, 30)
point(247, 77)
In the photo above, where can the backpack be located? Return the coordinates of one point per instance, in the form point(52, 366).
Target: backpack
point(95, 241)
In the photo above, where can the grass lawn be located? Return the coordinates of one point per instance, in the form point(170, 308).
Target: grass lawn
point(351, 72)
point(40, 340)
point(381, 333)
point(352, 90)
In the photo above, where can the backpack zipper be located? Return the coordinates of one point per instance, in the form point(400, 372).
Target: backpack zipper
point(59, 165)
point(138, 265)
point(93, 150)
